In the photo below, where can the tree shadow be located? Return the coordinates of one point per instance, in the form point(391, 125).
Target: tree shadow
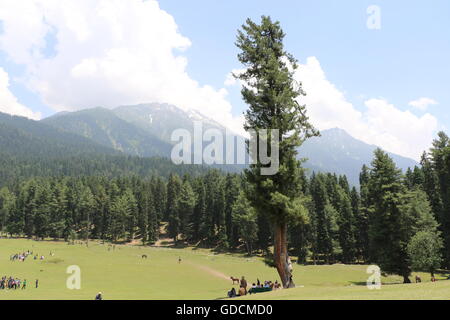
point(364, 283)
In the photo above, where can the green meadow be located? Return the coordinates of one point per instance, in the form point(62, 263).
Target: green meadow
point(122, 273)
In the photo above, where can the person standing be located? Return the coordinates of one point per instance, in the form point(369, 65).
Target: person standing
point(37, 283)
point(244, 284)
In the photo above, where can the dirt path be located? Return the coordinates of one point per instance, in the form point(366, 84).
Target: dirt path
point(211, 271)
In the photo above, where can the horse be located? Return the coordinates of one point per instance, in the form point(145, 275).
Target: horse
point(418, 279)
point(234, 280)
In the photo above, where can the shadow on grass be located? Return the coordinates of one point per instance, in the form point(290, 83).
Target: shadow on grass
point(441, 275)
point(364, 283)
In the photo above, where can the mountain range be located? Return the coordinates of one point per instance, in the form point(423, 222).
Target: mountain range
point(21, 137)
point(141, 130)
point(337, 151)
point(145, 130)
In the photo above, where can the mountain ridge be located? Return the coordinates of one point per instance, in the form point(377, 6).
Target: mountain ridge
point(339, 152)
point(25, 137)
point(144, 130)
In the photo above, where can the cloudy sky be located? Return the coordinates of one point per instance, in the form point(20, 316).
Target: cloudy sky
point(381, 73)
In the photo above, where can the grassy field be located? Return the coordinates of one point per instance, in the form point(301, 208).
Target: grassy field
point(123, 274)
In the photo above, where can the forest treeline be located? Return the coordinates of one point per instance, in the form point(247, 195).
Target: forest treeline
point(401, 221)
point(15, 169)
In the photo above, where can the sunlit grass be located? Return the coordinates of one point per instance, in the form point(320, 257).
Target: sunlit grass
point(123, 274)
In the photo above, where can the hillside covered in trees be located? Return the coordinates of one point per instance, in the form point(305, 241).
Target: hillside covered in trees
point(384, 222)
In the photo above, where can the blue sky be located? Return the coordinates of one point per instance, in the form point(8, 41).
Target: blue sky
point(406, 58)
point(186, 56)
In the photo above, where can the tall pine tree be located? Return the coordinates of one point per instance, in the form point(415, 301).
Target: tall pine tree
point(271, 93)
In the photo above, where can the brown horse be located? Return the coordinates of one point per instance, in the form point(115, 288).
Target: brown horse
point(234, 280)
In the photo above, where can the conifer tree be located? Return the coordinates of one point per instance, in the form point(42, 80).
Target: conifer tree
point(396, 216)
point(244, 217)
point(346, 223)
point(271, 93)
point(440, 159)
point(7, 207)
point(185, 208)
point(171, 216)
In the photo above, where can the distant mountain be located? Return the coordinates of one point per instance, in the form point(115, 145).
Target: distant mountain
point(140, 130)
point(31, 148)
point(21, 137)
point(161, 120)
point(145, 130)
point(106, 128)
point(337, 151)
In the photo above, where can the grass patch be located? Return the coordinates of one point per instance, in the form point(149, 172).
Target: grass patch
point(122, 273)
point(54, 260)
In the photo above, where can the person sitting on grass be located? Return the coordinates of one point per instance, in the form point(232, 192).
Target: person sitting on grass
point(242, 291)
point(232, 293)
point(277, 285)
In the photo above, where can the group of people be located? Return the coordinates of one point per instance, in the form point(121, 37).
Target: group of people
point(24, 255)
point(20, 256)
point(269, 285)
point(14, 283)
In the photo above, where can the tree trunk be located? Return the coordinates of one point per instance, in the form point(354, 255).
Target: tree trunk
point(406, 279)
point(281, 256)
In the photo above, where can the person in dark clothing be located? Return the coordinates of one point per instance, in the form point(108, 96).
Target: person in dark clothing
point(232, 293)
point(99, 296)
point(37, 283)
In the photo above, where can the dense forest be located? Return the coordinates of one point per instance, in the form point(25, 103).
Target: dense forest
point(14, 169)
point(399, 221)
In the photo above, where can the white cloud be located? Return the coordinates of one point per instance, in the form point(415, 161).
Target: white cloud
point(230, 80)
point(116, 52)
point(380, 123)
point(106, 53)
point(422, 103)
point(9, 103)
